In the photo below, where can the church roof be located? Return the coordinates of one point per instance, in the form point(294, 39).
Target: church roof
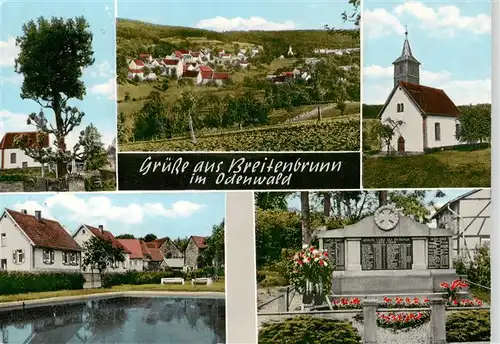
point(430, 100)
point(406, 53)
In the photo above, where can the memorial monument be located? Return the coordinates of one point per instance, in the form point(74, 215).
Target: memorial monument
point(389, 253)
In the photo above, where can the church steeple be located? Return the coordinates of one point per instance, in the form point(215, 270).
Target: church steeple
point(406, 66)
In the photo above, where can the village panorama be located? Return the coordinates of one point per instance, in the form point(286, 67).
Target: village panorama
point(182, 89)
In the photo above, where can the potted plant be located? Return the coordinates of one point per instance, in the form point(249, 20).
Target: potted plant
point(311, 274)
point(452, 290)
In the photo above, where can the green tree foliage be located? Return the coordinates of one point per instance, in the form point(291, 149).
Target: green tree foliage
point(475, 124)
point(272, 200)
point(53, 54)
point(90, 149)
point(152, 120)
point(213, 255)
point(122, 130)
point(121, 69)
point(150, 237)
point(125, 236)
point(100, 254)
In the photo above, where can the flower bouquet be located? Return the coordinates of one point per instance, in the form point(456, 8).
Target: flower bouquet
point(452, 290)
point(311, 274)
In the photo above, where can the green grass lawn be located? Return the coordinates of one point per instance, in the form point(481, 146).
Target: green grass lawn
point(433, 170)
point(215, 287)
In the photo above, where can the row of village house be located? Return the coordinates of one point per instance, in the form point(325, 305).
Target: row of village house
point(33, 243)
point(12, 157)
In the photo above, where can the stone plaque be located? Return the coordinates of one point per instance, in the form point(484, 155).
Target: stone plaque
point(438, 253)
point(386, 253)
point(336, 252)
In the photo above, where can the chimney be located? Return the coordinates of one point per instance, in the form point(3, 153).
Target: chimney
point(24, 211)
point(38, 215)
point(101, 228)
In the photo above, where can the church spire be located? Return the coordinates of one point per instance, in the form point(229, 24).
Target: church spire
point(406, 66)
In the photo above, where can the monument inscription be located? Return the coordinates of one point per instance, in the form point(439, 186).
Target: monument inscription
point(386, 253)
point(336, 252)
point(438, 253)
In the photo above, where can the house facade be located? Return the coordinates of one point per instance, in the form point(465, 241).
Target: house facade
point(137, 261)
point(427, 117)
point(85, 232)
point(194, 248)
point(13, 157)
point(33, 243)
point(469, 217)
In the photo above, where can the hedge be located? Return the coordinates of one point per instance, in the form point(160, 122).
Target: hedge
point(468, 326)
point(137, 277)
point(29, 282)
point(462, 147)
point(309, 330)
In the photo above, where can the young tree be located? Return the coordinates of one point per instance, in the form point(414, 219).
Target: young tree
point(53, 54)
point(188, 105)
point(90, 149)
point(121, 129)
point(214, 253)
point(152, 120)
point(386, 131)
point(474, 124)
point(99, 254)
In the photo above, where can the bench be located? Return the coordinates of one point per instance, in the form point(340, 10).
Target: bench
point(172, 280)
point(203, 280)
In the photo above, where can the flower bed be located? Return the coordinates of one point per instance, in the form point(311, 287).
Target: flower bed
point(399, 302)
point(402, 320)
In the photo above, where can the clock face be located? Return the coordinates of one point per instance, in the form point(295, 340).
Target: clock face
point(386, 218)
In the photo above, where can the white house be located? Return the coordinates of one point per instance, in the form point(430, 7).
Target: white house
point(137, 256)
point(33, 243)
point(469, 217)
point(173, 66)
point(133, 73)
point(136, 64)
point(12, 157)
point(85, 232)
point(429, 117)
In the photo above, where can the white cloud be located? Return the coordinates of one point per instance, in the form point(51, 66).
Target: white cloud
point(101, 210)
point(9, 52)
point(460, 91)
point(241, 24)
point(107, 88)
point(178, 209)
point(378, 23)
point(32, 206)
point(102, 69)
point(10, 121)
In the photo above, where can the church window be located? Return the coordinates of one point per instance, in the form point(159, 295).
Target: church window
point(402, 107)
point(437, 131)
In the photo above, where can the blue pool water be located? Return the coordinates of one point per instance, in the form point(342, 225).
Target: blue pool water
point(119, 320)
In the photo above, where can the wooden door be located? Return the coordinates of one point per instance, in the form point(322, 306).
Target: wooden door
point(401, 144)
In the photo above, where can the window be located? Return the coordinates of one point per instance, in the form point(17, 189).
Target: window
point(12, 158)
point(25, 164)
point(19, 257)
point(124, 264)
point(402, 107)
point(4, 240)
point(457, 130)
point(48, 256)
point(401, 68)
point(65, 258)
point(437, 131)
point(73, 258)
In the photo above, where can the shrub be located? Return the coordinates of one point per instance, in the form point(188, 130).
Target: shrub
point(137, 277)
point(27, 282)
point(468, 326)
point(308, 330)
point(461, 147)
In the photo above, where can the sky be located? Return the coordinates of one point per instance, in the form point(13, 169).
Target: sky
point(239, 14)
point(99, 103)
point(163, 214)
point(452, 41)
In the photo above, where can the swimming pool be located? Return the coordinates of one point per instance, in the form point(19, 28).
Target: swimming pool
point(166, 320)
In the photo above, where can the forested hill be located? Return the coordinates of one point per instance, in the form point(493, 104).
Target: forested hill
point(134, 36)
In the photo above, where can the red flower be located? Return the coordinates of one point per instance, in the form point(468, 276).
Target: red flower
point(444, 285)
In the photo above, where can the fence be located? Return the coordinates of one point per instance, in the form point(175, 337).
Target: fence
point(437, 308)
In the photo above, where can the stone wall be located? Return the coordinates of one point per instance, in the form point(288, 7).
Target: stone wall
point(170, 250)
point(191, 255)
point(11, 187)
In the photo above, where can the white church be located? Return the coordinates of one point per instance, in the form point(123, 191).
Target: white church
point(429, 117)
